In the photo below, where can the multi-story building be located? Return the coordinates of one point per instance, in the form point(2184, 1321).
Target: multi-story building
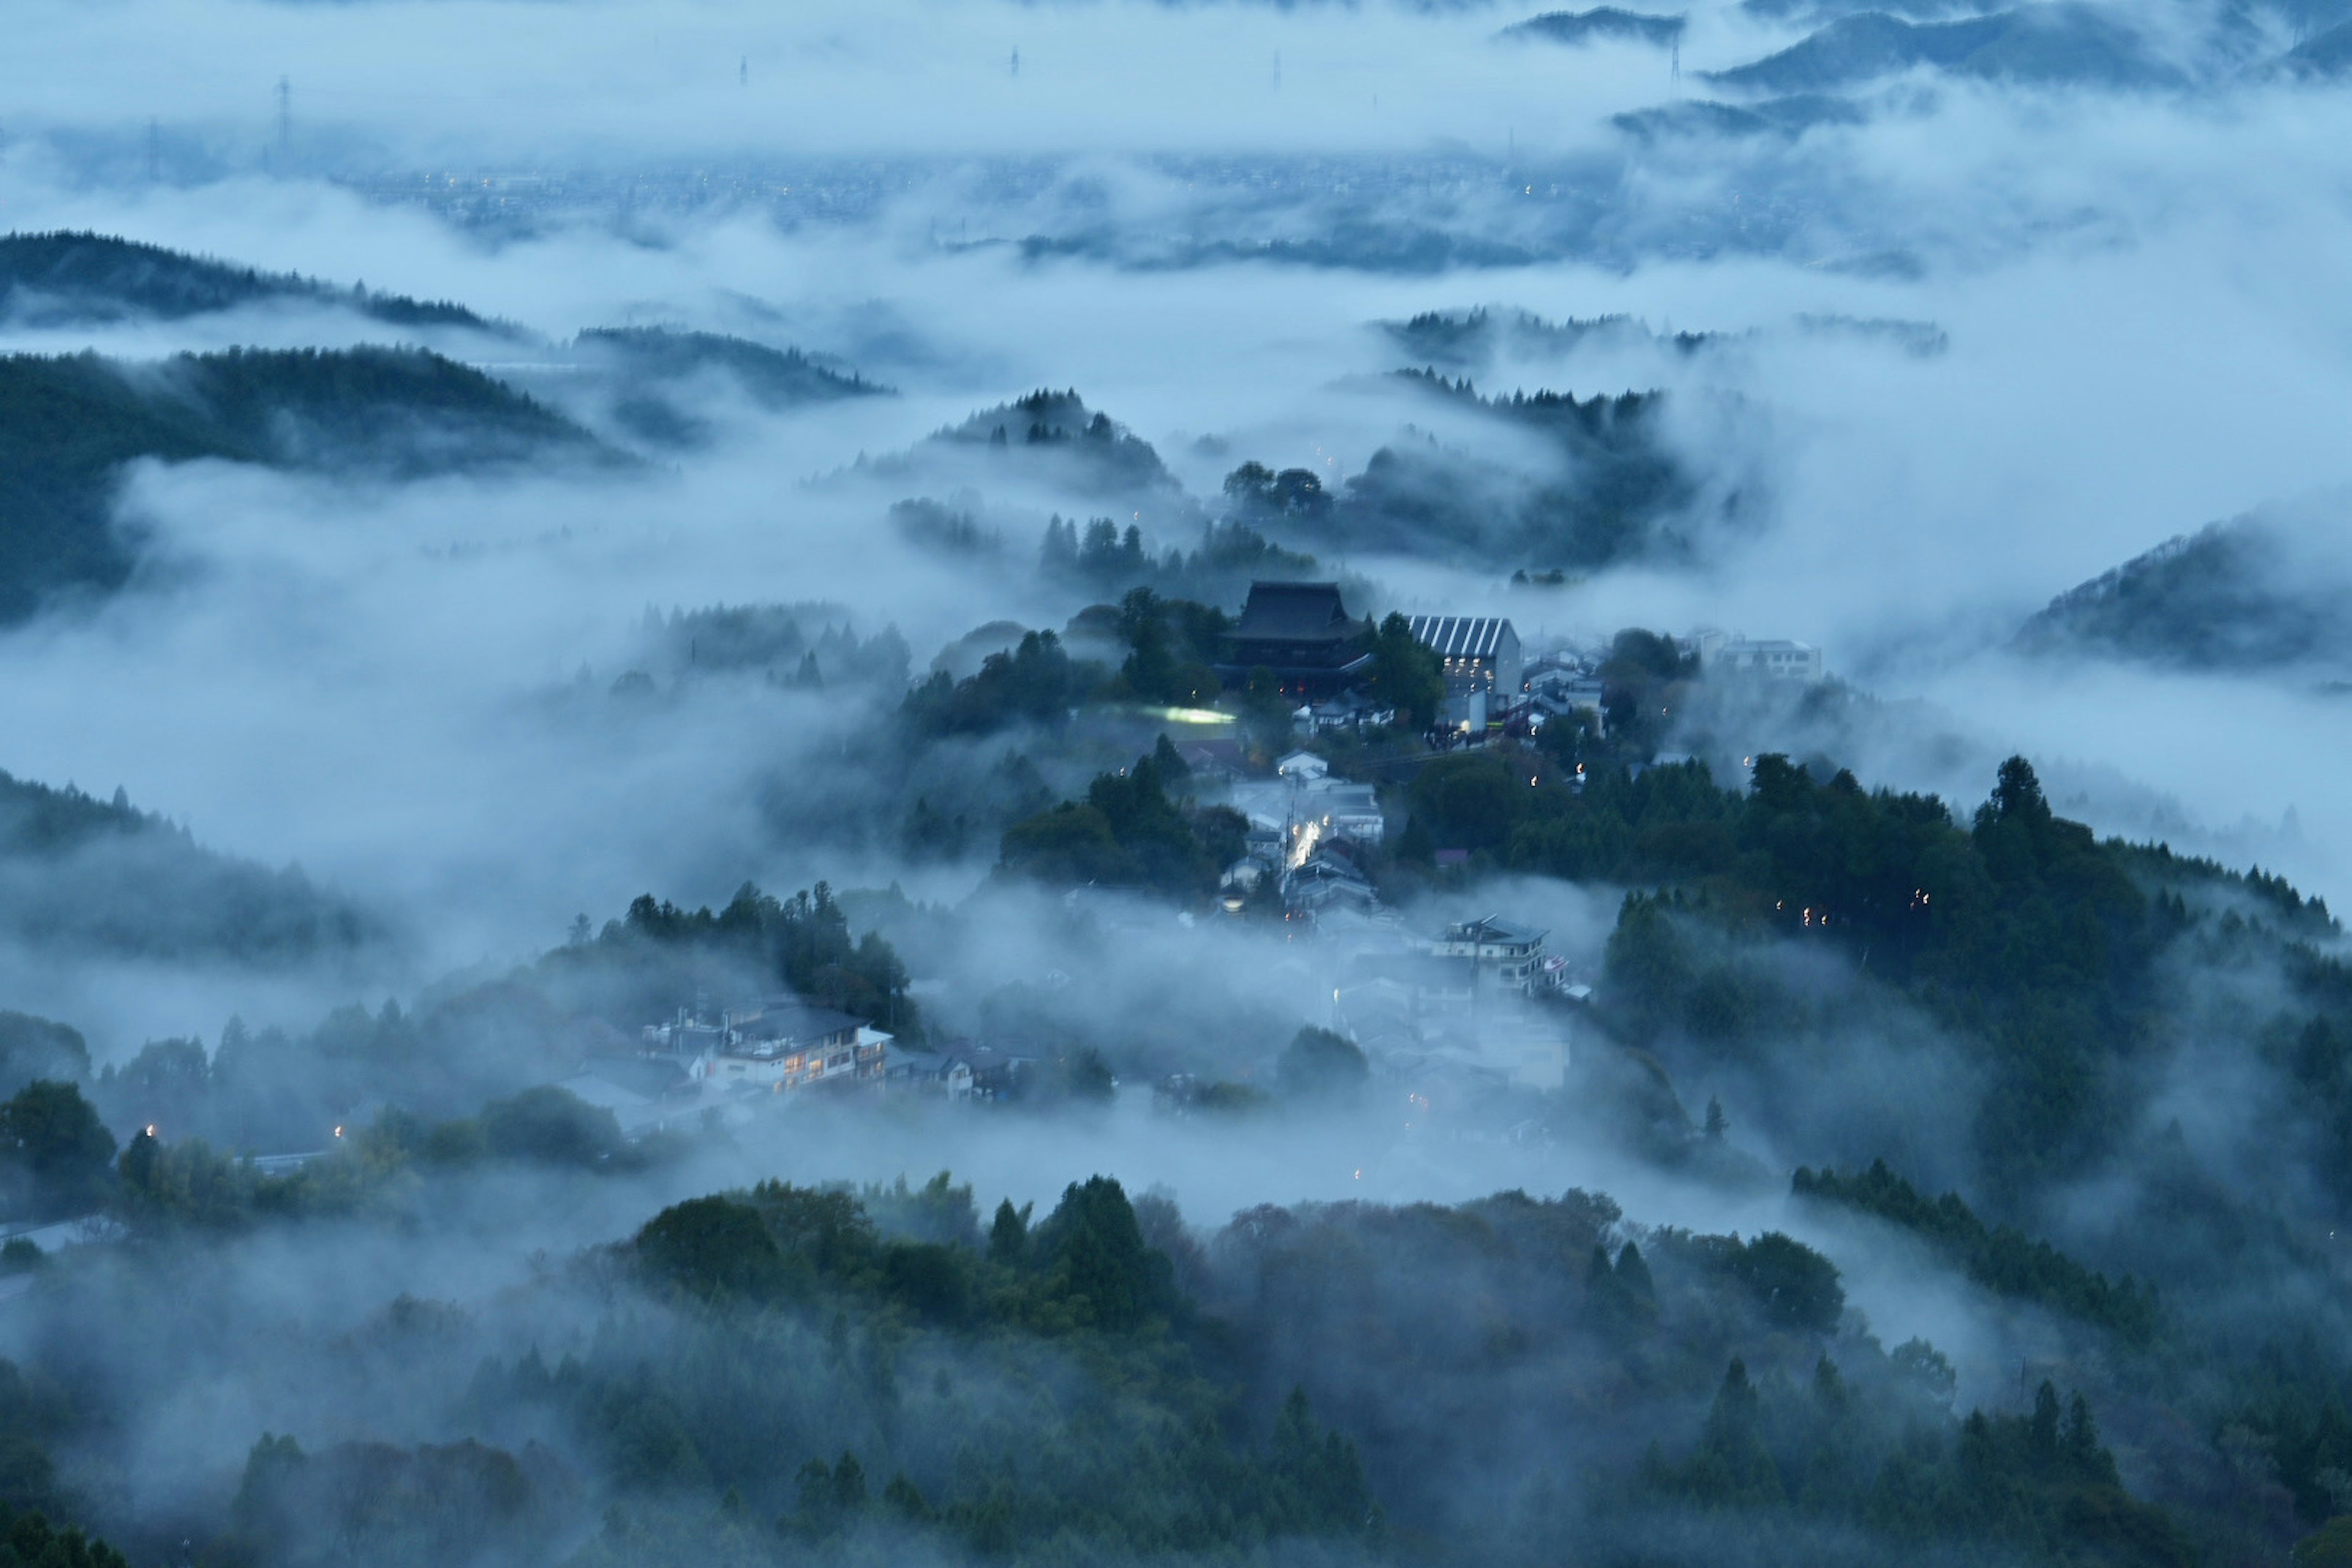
point(1505, 955)
point(1480, 656)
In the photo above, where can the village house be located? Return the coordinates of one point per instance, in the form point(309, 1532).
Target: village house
point(925, 1071)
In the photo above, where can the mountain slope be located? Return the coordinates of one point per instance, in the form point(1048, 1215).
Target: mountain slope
point(67, 278)
point(645, 379)
point(2245, 595)
point(101, 879)
point(69, 425)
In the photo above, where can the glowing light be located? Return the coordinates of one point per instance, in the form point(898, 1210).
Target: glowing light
point(1188, 715)
point(151, 1130)
point(339, 1132)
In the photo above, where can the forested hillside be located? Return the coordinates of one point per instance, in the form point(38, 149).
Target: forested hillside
point(67, 426)
point(1615, 490)
point(83, 878)
point(79, 278)
point(2239, 597)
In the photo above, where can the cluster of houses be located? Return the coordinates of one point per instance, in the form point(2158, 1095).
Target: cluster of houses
point(1305, 828)
point(1482, 995)
point(1302, 635)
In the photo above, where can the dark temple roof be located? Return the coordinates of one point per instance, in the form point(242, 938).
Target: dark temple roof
point(1295, 611)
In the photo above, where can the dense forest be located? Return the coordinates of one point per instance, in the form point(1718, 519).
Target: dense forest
point(780, 1373)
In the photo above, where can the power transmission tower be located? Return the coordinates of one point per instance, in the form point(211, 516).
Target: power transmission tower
point(1016, 62)
point(154, 152)
point(285, 115)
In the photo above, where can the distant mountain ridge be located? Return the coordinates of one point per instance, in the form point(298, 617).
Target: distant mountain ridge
point(2075, 43)
point(66, 279)
point(1603, 23)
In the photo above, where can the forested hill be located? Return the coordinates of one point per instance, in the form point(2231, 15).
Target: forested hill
point(660, 385)
point(69, 425)
point(2233, 596)
point(1051, 439)
point(85, 875)
point(69, 278)
point(1620, 490)
point(775, 378)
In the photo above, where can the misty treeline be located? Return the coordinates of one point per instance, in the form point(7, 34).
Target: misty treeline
point(82, 876)
point(787, 1372)
point(80, 278)
point(1610, 484)
point(1472, 341)
point(660, 385)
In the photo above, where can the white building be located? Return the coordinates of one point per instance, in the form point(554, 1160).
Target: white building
point(1507, 956)
point(1773, 659)
point(1480, 657)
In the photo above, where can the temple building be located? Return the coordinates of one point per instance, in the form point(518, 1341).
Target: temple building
point(1302, 632)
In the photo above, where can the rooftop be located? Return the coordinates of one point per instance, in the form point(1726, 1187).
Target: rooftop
point(790, 1019)
point(1461, 636)
point(1295, 611)
point(1495, 929)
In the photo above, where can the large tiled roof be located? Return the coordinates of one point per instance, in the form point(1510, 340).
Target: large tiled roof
point(1294, 612)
